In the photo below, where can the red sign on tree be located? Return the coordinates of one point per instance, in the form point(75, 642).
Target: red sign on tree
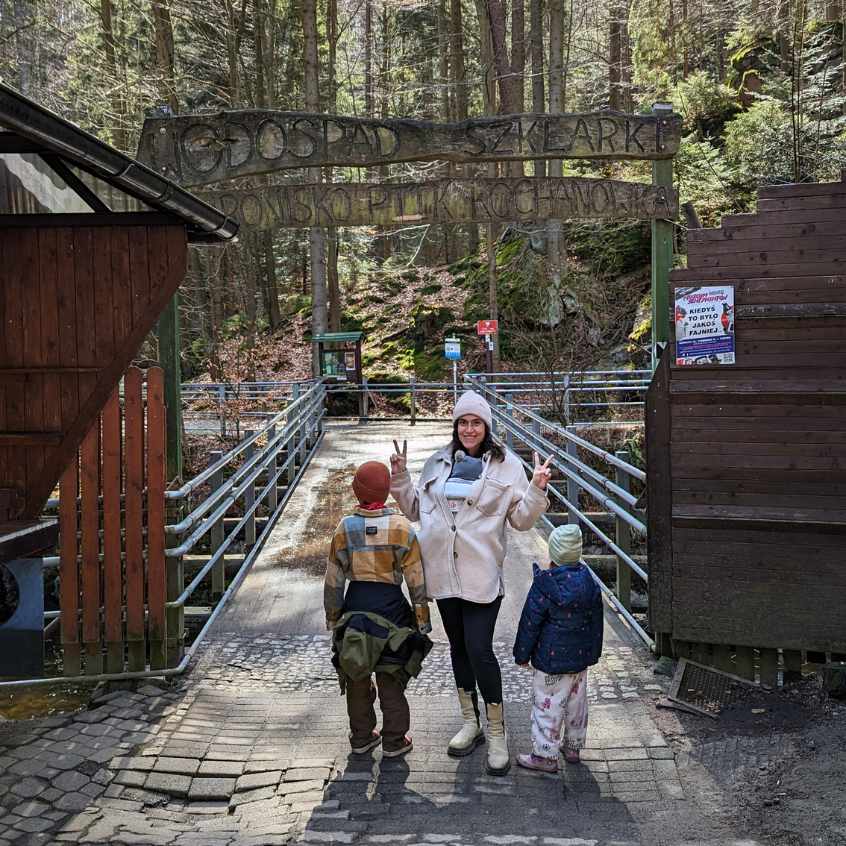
point(487, 327)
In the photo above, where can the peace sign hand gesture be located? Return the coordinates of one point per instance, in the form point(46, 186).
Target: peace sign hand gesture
point(542, 473)
point(399, 459)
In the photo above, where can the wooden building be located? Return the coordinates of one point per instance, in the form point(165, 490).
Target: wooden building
point(747, 489)
point(83, 282)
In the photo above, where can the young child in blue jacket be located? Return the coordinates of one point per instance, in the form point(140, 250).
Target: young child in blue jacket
point(561, 634)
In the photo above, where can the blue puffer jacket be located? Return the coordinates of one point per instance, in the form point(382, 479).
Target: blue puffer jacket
point(561, 625)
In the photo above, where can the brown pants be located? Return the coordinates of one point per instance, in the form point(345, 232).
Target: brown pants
point(396, 717)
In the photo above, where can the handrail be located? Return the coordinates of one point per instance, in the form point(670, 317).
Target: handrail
point(636, 472)
point(190, 652)
point(200, 478)
point(529, 427)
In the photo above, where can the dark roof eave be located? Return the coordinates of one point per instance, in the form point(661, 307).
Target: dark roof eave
point(34, 122)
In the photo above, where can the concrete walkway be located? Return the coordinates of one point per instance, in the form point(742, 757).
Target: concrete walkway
point(251, 747)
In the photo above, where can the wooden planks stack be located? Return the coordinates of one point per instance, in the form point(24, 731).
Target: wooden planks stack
point(112, 594)
point(746, 497)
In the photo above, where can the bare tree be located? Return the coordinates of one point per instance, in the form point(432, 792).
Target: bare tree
point(165, 53)
point(316, 235)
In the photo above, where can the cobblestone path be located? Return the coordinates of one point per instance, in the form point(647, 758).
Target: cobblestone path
point(250, 747)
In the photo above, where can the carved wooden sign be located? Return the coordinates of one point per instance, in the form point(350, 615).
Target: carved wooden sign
point(444, 201)
point(202, 149)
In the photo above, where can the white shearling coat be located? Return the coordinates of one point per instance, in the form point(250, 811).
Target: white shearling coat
point(463, 553)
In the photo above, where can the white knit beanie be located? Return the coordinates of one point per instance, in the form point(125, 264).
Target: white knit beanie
point(565, 544)
point(471, 403)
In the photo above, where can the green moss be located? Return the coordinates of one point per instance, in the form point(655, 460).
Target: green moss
point(428, 366)
point(297, 304)
point(431, 289)
point(610, 249)
point(642, 329)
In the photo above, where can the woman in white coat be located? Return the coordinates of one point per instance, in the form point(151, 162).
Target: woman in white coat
point(467, 493)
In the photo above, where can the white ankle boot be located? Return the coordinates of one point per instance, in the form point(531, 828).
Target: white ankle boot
point(499, 761)
point(471, 734)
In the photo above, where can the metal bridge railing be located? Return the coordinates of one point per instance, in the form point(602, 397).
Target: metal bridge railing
point(572, 393)
point(515, 423)
point(244, 480)
point(576, 394)
point(222, 396)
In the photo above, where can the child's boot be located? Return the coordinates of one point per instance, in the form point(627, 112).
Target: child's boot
point(470, 735)
point(499, 761)
point(531, 761)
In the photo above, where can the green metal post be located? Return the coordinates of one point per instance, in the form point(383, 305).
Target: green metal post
point(168, 335)
point(662, 257)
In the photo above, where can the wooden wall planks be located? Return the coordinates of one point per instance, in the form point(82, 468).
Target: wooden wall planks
point(756, 505)
point(76, 304)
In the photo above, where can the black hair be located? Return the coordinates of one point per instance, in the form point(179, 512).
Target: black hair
point(489, 444)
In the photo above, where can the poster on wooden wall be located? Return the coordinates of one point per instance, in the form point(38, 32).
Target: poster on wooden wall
point(704, 322)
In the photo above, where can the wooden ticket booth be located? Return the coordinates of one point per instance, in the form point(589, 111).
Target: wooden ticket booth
point(93, 246)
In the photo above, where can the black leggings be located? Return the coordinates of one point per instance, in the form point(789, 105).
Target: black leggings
point(470, 628)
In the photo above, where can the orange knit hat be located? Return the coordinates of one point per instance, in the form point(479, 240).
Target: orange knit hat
point(372, 482)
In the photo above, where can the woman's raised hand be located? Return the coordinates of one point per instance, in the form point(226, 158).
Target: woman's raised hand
point(399, 459)
point(542, 473)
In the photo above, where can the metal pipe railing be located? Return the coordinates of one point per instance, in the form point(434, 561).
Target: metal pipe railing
point(506, 414)
point(608, 457)
point(298, 437)
point(230, 591)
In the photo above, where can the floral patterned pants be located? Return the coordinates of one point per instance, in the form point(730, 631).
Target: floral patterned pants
point(559, 712)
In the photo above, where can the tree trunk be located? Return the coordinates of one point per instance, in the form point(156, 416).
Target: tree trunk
point(259, 21)
point(518, 54)
point(271, 281)
point(556, 78)
point(615, 51)
point(334, 290)
point(626, 59)
point(385, 243)
point(114, 84)
point(368, 58)
point(446, 95)
point(508, 98)
point(234, 33)
point(332, 278)
point(538, 88)
point(252, 252)
point(457, 67)
point(316, 235)
point(165, 58)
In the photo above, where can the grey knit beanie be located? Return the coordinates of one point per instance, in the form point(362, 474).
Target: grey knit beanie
point(565, 544)
point(472, 403)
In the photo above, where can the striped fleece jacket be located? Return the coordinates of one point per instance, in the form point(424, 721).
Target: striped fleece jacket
point(374, 546)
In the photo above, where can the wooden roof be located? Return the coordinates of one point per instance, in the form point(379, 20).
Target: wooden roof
point(28, 128)
point(93, 246)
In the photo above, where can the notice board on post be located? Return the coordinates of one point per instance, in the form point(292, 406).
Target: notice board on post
point(745, 414)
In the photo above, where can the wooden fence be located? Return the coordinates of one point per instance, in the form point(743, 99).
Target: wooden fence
point(111, 518)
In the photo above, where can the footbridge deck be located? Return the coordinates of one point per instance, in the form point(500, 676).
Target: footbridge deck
point(250, 746)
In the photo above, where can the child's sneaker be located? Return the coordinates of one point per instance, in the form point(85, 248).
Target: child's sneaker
point(403, 749)
point(537, 762)
point(363, 748)
point(571, 756)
